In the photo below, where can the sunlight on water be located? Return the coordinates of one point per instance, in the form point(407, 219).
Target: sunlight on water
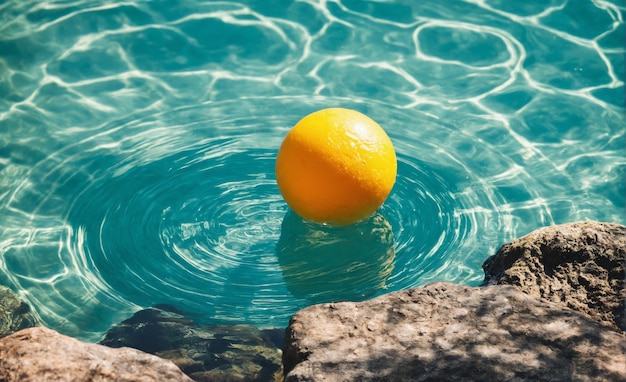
point(138, 143)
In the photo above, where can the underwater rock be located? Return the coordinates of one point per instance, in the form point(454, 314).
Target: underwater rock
point(14, 314)
point(205, 353)
point(448, 332)
point(41, 354)
point(580, 265)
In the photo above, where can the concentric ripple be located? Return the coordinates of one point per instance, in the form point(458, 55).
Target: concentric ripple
point(194, 229)
point(138, 140)
point(182, 208)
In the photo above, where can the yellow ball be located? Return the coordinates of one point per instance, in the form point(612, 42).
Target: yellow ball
point(336, 166)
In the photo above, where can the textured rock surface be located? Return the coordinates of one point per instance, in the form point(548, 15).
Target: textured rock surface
point(579, 265)
point(205, 353)
point(448, 332)
point(14, 314)
point(40, 354)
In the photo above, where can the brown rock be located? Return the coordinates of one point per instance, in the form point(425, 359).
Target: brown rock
point(448, 332)
point(578, 265)
point(40, 354)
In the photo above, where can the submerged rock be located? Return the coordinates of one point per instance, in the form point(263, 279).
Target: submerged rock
point(40, 354)
point(448, 332)
point(205, 353)
point(578, 265)
point(14, 314)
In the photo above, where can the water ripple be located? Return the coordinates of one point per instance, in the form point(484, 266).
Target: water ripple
point(137, 146)
point(183, 208)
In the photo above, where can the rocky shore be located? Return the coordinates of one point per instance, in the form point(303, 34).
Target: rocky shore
point(551, 309)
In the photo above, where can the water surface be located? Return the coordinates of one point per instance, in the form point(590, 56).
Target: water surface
point(138, 139)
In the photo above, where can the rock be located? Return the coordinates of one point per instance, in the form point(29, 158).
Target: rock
point(14, 314)
point(448, 332)
point(579, 265)
point(205, 353)
point(40, 354)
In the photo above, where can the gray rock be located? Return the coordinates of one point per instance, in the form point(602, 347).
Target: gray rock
point(579, 265)
point(448, 332)
point(40, 354)
point(205, 353)
point(14, 314)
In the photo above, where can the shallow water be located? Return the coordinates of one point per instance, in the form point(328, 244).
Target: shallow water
point(137, 146)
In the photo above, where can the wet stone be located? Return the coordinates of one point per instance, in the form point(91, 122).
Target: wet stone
point(14, 314)
point(204, 353)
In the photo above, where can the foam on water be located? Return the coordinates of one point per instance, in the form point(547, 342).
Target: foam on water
point(138, 139)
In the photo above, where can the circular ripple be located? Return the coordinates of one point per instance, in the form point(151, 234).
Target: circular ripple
point(182, 208)
point(191, 229)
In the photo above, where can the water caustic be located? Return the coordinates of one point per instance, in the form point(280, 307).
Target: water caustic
point(336, 166)
point(138, 145)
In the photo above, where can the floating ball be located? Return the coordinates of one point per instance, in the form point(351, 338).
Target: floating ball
point(336, 166)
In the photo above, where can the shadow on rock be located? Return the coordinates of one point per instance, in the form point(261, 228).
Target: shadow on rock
point(448, 332)
point(561, 319)
point(579, 265)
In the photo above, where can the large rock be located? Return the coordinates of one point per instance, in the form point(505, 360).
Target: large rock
point(579, 265)
point(448, 332)
point(40, 354)
point(205, 353)
point(14, 314)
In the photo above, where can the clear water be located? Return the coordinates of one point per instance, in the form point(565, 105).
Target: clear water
point(137, 146)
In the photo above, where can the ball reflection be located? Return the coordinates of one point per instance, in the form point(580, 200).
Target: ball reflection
point(323, 263)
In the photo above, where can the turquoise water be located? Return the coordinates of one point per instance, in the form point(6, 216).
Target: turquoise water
point(138, 138)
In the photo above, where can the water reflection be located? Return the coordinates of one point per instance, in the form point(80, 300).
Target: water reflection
point(324, 263)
